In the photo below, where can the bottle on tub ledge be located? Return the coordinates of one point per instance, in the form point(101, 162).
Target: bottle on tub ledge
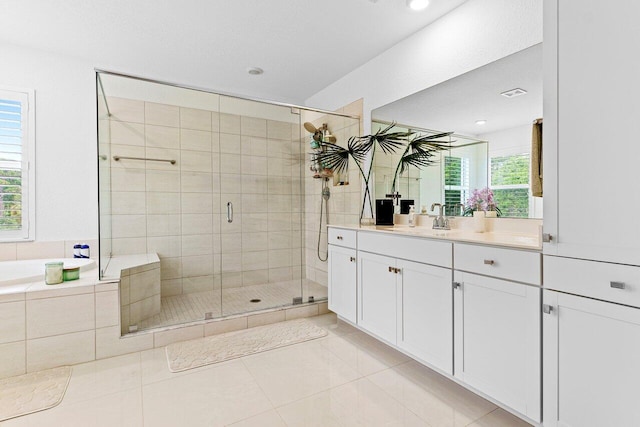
point(81, 250)
point(85, 251)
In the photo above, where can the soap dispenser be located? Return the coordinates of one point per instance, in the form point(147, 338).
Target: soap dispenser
point(412, 216)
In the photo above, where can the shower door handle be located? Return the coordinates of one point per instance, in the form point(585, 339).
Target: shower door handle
point(229, 212)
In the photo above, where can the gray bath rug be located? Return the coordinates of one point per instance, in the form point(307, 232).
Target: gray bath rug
point(231, 345)
point(33, 392)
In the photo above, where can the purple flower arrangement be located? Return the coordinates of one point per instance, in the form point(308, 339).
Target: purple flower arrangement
point(481, 200)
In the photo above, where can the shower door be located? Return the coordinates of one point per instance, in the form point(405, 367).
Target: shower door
point(260, 163)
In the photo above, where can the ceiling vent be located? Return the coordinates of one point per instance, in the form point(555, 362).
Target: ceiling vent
point(513, 93)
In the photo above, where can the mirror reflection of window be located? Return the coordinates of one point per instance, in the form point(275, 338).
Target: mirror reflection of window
point(456, 183)
point(510, 184)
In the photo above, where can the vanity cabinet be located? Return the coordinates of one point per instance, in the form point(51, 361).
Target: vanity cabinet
point(497, 325)
point(342, 282)
point(591, 333)
point(425, 310)
point(377, 303)
point(591, 324)
point(591, 88)
point(406, 303)
point(342, 273)
point(591, 363)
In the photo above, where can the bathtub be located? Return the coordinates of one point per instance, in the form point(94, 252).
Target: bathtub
point(32, 270)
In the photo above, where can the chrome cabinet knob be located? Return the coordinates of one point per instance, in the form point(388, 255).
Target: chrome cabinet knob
point(489, 262)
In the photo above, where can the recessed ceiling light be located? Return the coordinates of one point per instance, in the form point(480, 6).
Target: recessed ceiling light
point(255, 71)
point(481, 122)
point(513, 93)
point(417, 4)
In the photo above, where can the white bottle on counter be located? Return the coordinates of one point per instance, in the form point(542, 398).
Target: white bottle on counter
point(412, 216)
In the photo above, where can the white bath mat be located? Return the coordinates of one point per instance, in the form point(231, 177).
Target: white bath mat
point(33, 392)
point(231, 345)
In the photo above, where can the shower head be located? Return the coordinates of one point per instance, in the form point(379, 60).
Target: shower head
point(310, 127)
point(319, 133)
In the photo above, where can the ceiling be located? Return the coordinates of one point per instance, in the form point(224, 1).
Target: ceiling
point(302, 45)
point(456, 105)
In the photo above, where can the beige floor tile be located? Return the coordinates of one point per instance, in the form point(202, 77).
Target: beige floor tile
point(266, 419)
point(499, 418)
point(435, 399)
point(298, 371)
point(114, 410)
point(364, 357)
point(358, 403)
point(334, 326)
point(100, 378)
point(216, 397)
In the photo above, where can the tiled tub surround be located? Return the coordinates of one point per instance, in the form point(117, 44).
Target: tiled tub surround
point(44, 326)
point(177, 211)
point(30, 272)
point(41, 250)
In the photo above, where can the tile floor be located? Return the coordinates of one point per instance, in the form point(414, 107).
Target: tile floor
point(191, 307)
point(344, 379)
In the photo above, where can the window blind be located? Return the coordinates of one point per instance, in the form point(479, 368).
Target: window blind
point(456, 181)
point(12, 164)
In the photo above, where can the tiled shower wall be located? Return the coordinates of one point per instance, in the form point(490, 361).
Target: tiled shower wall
point(345, 201)
point(179, 211)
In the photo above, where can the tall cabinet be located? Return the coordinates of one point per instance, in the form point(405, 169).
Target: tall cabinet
point(591, 301)
point(591, 129)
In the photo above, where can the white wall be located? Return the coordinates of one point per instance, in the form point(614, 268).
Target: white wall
point(475, 34)
point(511, 141)
point(66, 165)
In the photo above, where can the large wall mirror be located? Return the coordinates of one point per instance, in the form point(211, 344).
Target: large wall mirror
point(491, 111)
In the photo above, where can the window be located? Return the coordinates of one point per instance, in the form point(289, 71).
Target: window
point(17, 178)
point(510, 184)
point(456, 183)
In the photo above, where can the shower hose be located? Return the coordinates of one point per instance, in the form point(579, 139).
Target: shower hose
point(323, 201)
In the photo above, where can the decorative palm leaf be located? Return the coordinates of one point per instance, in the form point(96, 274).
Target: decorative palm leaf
point(357, 150)
point(419, 159)
point(333, 157)
point(420, 152)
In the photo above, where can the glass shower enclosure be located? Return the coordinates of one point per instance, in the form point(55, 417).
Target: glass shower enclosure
point(213, 185)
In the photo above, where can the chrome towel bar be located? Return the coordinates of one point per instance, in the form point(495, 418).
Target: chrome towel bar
point(118, 158)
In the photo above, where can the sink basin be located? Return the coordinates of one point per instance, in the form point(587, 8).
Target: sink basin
point(422, 231)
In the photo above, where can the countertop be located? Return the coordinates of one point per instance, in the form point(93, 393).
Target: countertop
point(509, 239)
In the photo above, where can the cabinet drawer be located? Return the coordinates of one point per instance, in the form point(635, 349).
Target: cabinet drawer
point(602, 280)
point(416, 249)
point(342, 237)
point(507, 264)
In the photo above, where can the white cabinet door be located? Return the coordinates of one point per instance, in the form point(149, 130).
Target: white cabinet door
point(591, 362)
point(342, 282)
point(377, 295)
point(425, 314)
point(591, 141)
point(497, 340)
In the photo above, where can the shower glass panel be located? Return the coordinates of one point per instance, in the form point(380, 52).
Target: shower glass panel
point(219, 189)
point(260, 240)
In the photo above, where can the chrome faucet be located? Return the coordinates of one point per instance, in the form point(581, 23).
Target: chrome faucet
point(461, 206)
point(440, 222)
